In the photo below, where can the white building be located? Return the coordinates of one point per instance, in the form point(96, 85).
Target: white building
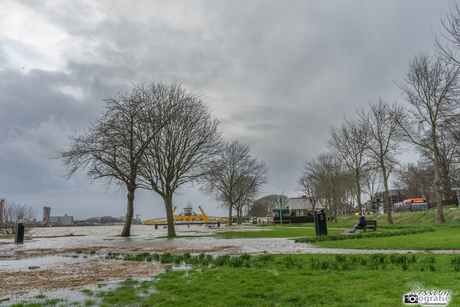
point(61, 220)
point(301, 206)
point(49, 220)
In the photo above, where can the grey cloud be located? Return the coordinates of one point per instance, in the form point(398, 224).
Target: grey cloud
point(276, 74)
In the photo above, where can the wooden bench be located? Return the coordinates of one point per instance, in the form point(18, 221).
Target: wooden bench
point(284, 221)
point(368, 224)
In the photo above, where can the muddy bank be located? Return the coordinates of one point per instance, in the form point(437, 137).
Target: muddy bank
point(73, 275)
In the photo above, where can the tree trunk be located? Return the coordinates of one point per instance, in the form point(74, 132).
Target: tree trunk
point(326, 212)
point(169, 215)
point(335, 212)
point(445, 181)
point(335, 207)
point(129, 213)
point(230, 214)
point(387, 195)
point(328, 209)
point(437, 185)
point(358, 196)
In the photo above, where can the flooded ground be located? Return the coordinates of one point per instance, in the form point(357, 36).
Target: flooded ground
point(104, 239)
point(34, 267)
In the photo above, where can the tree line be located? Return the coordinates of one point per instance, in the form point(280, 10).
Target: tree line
point(365, 149)
point(161, 137)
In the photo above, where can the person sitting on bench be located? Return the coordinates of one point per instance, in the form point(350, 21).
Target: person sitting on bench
point(360, 223)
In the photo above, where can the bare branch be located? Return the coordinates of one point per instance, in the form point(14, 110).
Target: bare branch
point(432, 90)
point(112, 148)
point(14, 213)
point(180, 153)
point(234, 175)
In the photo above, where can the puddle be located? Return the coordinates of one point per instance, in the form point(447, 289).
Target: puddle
point(69, 295)
point(178, 267)
point(42, 262)
point(72, 296)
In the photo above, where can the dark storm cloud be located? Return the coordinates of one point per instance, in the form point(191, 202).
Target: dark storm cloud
point(277, 74)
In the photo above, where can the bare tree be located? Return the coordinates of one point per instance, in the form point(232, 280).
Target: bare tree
point(244, 201)
point(416, 180)
point(327, 171)
point(431, 88)
point(353, 154)
point(372, 182)
point(314, 178)
point(13, 214)
point(113, 147)
point(180, 152)
point(448, 155)
point(310, 187)
point(264, 206)
point(383, 142)
point(447, 43)
point(234, 175)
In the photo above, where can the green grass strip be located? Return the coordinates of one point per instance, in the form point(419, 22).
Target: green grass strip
point(443, 238)
point(277, 232)
point(365, 235)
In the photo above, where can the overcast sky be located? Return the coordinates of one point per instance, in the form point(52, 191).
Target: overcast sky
point(276, 73)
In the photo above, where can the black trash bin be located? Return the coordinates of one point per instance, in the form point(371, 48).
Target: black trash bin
point(156, 226)
point(19, 236)
point(218, 223)
point(320, 223)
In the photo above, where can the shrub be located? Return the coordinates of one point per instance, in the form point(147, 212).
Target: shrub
point(297, 219)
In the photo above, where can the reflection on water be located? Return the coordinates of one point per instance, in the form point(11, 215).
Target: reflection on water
point(72, 296)
point(40, 262)
point(178, 267)
point(146, 239)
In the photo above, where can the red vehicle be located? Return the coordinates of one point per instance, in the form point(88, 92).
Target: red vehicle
point(399, 207)
point(415, 204)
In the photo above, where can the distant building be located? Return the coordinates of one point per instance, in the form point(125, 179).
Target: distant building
point(301, 206)
point(346, 208)
point(396, 196)
point(49, 220)
point(80, 222)
point(367, 207)
point(61, 220)
point(46, 214)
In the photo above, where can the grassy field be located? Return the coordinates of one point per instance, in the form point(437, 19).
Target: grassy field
point(428, 218)
point(6, 237)
point(445, 236)
point(285, 280)
point(417, 218)
point(274, 232)
point(442, 238)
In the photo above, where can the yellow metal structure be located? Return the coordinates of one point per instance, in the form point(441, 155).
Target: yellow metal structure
point(188, 217)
